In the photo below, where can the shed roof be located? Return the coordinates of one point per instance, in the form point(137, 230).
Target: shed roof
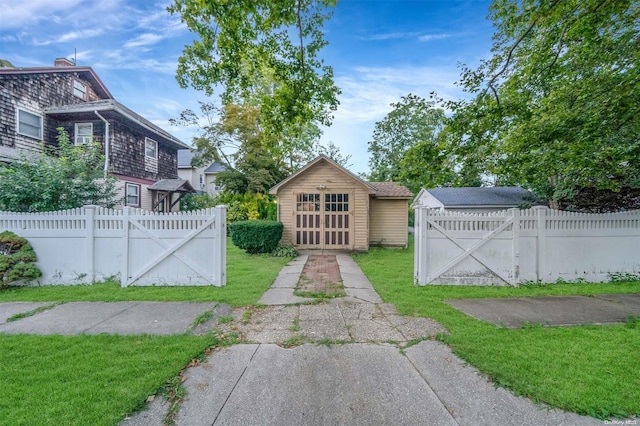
point(318, 159)
point(391, 190)
point(472, 196)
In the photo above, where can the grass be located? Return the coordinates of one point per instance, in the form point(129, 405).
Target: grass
point(86, 380)
point(248, 277)
point(591, 370)
point(97, 380)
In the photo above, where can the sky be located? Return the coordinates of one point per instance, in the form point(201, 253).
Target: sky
point(380, 50)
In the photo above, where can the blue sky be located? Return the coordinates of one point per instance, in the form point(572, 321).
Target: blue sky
point(380, 50)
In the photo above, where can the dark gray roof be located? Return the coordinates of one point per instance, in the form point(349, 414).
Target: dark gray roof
point(215, 167)
point(495, 196)
point(186, 155)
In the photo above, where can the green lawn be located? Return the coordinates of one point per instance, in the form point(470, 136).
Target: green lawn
point(98, 380)
point(248, 277)
point(591, 370)
point(86, 380)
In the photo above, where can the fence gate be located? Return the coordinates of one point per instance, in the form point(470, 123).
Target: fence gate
point(466, 247)
point(164, 249)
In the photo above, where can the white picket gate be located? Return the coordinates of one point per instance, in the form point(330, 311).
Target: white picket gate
point(512, 246)
point(136, 246)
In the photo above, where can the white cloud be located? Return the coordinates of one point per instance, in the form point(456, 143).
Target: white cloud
point(367, 94)
point(389, 36)
point(21, 13)
point(70, 36)
point(430, 37)
point(145, 39)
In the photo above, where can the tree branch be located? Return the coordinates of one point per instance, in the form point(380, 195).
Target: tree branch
point(493, 79)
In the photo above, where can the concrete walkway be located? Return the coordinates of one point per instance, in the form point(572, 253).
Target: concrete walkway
point(347, 361)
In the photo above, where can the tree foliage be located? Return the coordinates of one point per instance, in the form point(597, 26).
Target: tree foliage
point(332, 151)
point(404, 146)
point(72, 178)
point(555, 107)
point(264, 54)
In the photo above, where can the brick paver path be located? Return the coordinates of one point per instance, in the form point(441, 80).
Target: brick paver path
point(321, 274)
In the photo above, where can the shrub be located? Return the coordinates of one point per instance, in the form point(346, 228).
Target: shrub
point(256, 236)
point(17, 259)
point(284, 251)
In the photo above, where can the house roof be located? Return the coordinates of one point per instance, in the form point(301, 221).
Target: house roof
point(378, 189)
point(391, 190)
point(86, 73)
point(186, 155)
point(512, 196)
point(172, 185)
point(116, 110)
point(320, 158)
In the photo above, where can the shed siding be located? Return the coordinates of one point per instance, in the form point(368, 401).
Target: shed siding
point(389, 222)
point(334, 181)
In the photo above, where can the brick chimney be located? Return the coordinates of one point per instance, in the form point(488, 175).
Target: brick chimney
point(63, 62)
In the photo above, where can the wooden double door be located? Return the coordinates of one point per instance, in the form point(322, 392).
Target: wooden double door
point(323, 220)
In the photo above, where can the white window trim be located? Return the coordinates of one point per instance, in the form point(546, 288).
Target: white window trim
point(32, 113)
point(147, 140)
point(84, 140)
point(138, 188)
point(74, 88)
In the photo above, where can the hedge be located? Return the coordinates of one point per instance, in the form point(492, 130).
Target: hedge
point(256, 236)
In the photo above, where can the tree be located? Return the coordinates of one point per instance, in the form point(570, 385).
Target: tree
point(264, 54)
point(332, 151)
point(413, 121)
point(555, 108)
point(71, 179)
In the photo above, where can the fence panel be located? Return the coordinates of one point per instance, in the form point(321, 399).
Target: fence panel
point(138, 247)
point(512, 246)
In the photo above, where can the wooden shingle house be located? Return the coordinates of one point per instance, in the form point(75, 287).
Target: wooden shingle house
point(34, 102)
point(323, 206)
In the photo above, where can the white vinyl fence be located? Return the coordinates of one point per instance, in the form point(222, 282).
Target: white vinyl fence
point(514, 246)
point(138, 247)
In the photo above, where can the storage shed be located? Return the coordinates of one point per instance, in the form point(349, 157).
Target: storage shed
point(324, 206)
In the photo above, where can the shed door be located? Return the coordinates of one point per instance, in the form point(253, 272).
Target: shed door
point(322, 221)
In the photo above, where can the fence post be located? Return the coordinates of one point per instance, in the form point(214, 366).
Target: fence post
point(541, 243)
point(515, 247)
point(90, 244)
point(220, 246)
point(421, 247)
point(124, 271)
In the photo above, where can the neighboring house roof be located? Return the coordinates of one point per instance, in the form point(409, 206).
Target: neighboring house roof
point(172, 185)
point(117, 110)
point(391, 190)
point(184, 158)
point(378, 189)
point(184, 162)
point(215, 167)
point(505, 196)
point(85, 72)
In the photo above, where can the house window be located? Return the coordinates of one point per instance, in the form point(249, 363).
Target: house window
point(79, 89)
point(83, 133)
point(29, 124)
point(132, 194)
point(150, 148)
